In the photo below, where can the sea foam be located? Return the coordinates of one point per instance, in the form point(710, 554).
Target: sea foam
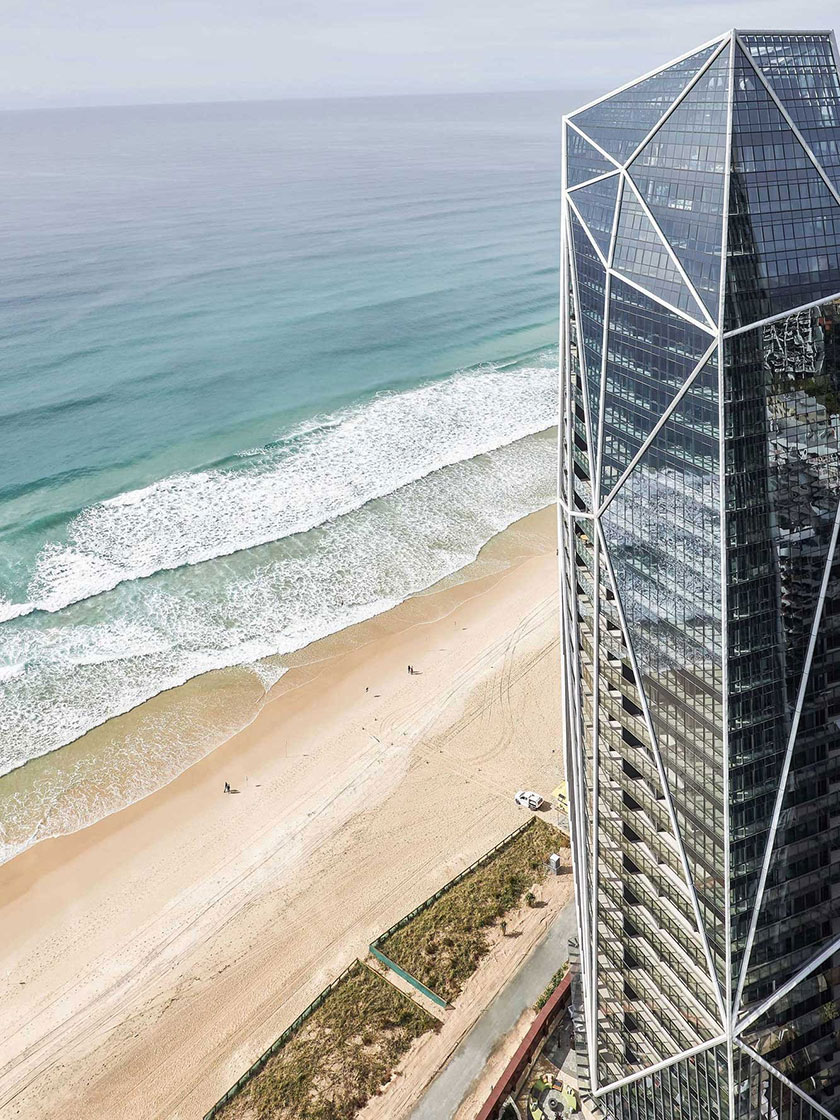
point(72, 670)
point(325, 469)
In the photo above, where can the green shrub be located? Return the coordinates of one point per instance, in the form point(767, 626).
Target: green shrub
point(341, 1056)
point(552, 984)
point(456, 924)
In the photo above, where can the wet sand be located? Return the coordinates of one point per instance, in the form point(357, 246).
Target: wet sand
point(147, 959)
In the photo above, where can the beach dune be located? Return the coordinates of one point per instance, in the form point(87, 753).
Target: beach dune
point(148, 959)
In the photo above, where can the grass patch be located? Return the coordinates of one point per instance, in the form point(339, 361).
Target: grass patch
point(443, 945)
point(343, 1054)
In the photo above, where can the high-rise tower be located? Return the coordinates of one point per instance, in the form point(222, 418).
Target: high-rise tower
point(699, 515)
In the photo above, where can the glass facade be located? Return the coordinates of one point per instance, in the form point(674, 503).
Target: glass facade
point(700, 580)
point(803, 75)
point(583, 160)
point(681, 175)
point(595, 203)
point(651, 353)
point(643, 256)
point(784, 219)
point(590, 289)
point(620, 123)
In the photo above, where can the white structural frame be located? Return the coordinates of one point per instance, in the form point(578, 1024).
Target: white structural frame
point(730, 104)
point(734, 1022)
point(575, 752)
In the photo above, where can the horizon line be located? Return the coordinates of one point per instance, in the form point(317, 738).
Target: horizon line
point(53, 108)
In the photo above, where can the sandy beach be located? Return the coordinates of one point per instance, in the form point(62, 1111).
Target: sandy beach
point(146, 960)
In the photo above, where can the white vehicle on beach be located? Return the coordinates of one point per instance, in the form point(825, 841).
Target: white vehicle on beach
point(528, 799)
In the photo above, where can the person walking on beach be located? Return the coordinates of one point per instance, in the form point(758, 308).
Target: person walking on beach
point(227, 787)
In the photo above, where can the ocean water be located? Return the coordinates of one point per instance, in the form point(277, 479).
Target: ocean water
point(265, 370)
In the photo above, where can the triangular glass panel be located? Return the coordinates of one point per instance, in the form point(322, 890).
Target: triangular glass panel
point(761, 1093)
point(802, 73)
point(681, 175)
point(641, 254)
point(596, 205)
point(591, 292)
point(583, 161)
point(651, 353)
point(784, 222)
point(662, 530)
point(797, 1036)
point(580, 466)
point(621, 122)
point(783, 442)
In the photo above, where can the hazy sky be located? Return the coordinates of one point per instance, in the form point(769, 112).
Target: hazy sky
point(96, 52)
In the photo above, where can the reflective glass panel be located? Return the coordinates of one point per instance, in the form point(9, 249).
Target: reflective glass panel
point(663, 537)
point(582, 160)
point(680, 173)
point(596, 206)
point(693, 1089)
point(641, 255)
point(641, 882)
point(798, 1038)
point(784, 223)
point(581, 466)
point(782, 492)
point(591, 292)
point(651, 353)
point(802, 73)
point(760, 1093)
point(621, 122)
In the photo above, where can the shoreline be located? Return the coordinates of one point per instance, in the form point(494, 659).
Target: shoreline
point(149, 957)
point(118, 763)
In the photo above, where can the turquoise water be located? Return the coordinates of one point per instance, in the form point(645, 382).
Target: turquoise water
point(265, 370)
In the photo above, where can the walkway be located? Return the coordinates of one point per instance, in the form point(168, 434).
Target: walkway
point(444, 1095)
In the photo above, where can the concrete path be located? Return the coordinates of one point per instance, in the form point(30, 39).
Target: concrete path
point(444, 1095)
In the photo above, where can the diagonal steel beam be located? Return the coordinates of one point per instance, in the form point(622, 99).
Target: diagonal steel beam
point(659, 1066)
point(667, 246)
point(582, 359)
point(781, 315)
point(594, 179)
point(570, 123)
point(780, 793)
point(637, 81)
point(699, 323)
point(760, 75)
point(658, 426)
point(586, 230)
point(710, 61)
point(780, 993)
point(596, 489)
point(757, 1058)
